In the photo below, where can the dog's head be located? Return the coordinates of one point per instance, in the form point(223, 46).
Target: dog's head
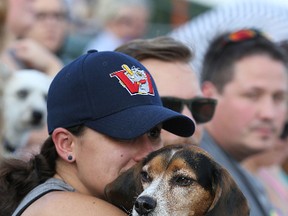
point(177, 180)
point(24, 103)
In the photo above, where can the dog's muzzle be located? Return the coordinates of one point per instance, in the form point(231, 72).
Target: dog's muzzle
point(36, 117)
point(144, 205)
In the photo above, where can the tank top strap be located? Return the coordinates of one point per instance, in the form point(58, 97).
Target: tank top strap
point(50, 185)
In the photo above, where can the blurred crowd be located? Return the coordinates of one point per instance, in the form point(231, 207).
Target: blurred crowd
point(45, 35)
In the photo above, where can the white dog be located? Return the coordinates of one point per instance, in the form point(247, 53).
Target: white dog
point(24, 95)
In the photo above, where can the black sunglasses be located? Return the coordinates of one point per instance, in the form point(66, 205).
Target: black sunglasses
point(201, 108)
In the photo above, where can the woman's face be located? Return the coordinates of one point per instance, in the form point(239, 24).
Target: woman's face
point(100, 159)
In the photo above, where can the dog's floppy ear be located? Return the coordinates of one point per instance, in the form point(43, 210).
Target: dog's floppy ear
point(229, 199)
point(124, 190)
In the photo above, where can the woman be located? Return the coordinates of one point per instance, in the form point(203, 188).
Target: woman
point(104, 115)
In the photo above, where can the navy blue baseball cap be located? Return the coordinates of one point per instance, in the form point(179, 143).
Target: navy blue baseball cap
point(113, 94)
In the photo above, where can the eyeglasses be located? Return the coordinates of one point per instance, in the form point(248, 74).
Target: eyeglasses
point(57, 16)
point(202, 109)
point(243, 35)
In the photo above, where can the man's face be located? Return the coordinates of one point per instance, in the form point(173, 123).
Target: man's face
point(251, 109)
point(51, 24)
point(176, 79)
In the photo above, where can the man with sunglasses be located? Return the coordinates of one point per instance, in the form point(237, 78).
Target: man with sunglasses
point(247, 74)
point(168, 62)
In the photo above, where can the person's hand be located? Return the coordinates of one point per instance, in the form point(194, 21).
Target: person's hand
point(36, 56)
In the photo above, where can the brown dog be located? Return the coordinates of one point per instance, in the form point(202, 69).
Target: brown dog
point(177, 180)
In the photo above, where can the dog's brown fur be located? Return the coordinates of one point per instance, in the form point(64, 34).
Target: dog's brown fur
point(189, 182)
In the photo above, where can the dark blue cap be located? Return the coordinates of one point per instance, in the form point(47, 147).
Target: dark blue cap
point(113, 94)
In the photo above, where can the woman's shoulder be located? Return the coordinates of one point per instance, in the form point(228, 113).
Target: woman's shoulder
point(71, 203)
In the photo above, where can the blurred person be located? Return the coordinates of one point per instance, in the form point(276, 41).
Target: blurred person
point(83, 26)
point(267, 166)
point(20, 17)
point(82, 14)
point(37, 47)
point(119, 21)
point(99, 126)
point(247, 74)
point(177, 83)
point(15, 27)
point(51, 25)
point(29, 54)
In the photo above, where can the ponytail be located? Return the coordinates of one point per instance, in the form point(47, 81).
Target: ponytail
point(18, 178)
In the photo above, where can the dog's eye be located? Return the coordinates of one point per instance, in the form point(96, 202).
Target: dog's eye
point(145, 177)
point(182, 181)
point(22, 93)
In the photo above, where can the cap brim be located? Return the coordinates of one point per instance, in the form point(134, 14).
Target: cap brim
point(136, 121)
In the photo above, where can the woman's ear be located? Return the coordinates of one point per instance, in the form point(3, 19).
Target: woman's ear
point(64, 143)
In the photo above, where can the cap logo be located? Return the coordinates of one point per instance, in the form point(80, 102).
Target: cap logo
point(135, 80)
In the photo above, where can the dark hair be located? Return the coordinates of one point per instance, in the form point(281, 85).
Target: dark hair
point(219, 60)
point(162, 48)
point(18, 178)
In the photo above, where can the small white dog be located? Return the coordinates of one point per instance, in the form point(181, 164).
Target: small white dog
point(24, 95)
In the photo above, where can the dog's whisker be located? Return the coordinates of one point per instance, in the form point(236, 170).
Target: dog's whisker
point(127, 211)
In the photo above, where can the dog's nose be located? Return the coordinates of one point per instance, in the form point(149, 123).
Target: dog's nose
point(145, 205)
point(36, 117)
